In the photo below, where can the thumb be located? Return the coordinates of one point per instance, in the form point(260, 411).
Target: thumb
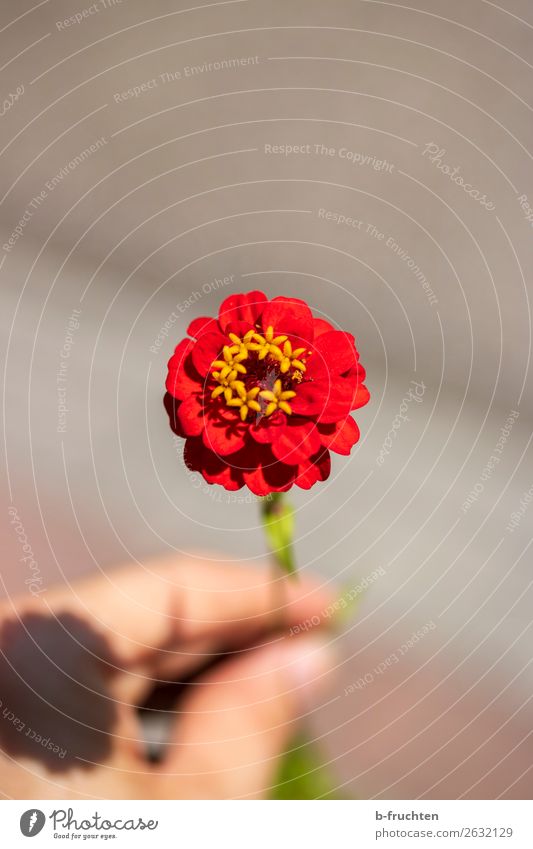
point(239, 717)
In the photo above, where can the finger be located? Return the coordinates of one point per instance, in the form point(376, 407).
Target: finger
point(236, 723)
point(148, 613)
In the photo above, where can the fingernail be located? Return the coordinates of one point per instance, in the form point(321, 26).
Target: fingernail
point(309, 663)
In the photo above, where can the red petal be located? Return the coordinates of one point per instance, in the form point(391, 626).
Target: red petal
point(262, 485)
point(264, 430)
point(181, 385)
point(268, 474)
point(182, 379)
point(172, 407)
point(360, 396)
point(238, 327)
point(245, 307)
point(321, 326)
point(206, 350)
point(290, 316)
point(339, 437)
point(327, 400)
point(317, 469)
point(202, 324)
point(224, 434)
point(311, 397)
point(213, 469)
point(316, 368)
point(180, 352)
point(333, 353)
point(357, 372)
point(191, 415)
point(338, 351)
point(296, 442)
point(339, 403)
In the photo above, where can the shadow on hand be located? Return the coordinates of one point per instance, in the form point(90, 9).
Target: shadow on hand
point(54, 702)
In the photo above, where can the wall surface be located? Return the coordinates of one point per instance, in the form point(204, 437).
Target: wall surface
point(373, 158)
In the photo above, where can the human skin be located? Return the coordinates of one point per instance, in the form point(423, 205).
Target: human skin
point(77, 661)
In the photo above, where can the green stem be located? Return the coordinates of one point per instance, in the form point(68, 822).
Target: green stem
point(278, 523)
point(301, 774)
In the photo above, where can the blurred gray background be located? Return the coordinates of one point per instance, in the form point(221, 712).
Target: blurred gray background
point(156, 158)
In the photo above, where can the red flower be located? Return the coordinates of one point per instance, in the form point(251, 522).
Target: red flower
point(263, 394)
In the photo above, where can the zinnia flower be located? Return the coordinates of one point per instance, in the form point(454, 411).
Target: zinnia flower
point(264, 393)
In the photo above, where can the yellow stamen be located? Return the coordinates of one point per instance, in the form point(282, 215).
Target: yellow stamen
point(277, 398)
point(228, 371)
point(227, 379)
point(290, 359)
point(267, 344)
point(246, 400)
point(236, 364)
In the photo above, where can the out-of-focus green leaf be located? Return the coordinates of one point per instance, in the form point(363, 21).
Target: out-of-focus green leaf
point(301, 774)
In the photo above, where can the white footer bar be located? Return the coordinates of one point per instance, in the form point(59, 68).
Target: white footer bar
point(268, 825)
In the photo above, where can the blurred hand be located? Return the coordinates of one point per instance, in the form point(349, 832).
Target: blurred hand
point(76, 663)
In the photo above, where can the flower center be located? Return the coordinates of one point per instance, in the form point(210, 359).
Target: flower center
point(256, 374)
